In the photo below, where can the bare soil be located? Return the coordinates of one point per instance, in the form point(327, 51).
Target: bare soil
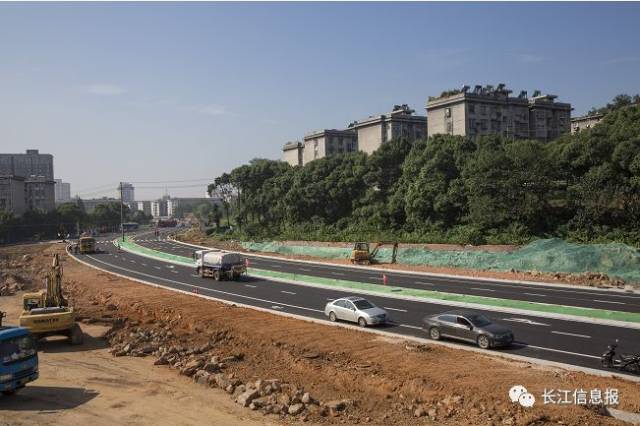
point(384, 380)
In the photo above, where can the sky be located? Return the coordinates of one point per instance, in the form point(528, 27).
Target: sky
point(169, 95)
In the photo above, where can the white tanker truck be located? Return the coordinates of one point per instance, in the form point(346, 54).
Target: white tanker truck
point(219, 265)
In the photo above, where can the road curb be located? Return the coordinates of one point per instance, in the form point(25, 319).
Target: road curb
point(400, 338)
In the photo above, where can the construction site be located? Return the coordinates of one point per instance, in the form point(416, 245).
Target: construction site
point(143, 358)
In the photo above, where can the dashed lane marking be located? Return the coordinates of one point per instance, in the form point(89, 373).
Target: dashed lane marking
point(564, 333)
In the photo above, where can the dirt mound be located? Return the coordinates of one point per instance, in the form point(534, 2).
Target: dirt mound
point(21, 268)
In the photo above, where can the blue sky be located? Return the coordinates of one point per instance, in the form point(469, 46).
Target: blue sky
point(159, 92)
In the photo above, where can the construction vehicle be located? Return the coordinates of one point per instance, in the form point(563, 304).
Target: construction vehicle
point(219, 264)
point(87, 245)
point(47, 312)
point(18, 358)
point(362, 256)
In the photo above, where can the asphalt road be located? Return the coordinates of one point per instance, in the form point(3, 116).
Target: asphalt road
point(581, 297)
point(571, 342)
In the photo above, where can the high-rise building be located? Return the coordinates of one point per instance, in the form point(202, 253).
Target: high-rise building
point(32, 163)
point(62, 191)
point(128, 194)
point(40, 193)
point(12, 195)
point(492, 111)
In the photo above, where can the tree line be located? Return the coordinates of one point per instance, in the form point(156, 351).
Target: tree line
point(67, 218)
point(583, 187)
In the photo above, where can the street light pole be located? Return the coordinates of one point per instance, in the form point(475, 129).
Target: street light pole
point(121, 212)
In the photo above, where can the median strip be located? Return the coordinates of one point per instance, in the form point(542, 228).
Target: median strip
point(578, 313)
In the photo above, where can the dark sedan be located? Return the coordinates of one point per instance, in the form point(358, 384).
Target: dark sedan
point(468, 326)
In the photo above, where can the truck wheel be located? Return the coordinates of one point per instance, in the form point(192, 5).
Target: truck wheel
point(75, 335)
point(216, 275)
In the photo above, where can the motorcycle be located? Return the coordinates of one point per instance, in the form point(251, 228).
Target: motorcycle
point(629, 363)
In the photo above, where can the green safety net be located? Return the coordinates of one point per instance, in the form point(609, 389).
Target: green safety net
point(549, 255)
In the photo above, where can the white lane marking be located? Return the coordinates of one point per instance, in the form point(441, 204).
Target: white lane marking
point(157, 267)
point(276, 307)
point(609, 301)
point(554, 350)
point(115, 255)
point(481, 289)
point(410, 326)
point(132, 261)
point(250, 286)
point(525, 321)
point(535, 294)
point(330, 299)
point(242, 296)
point(275, 266)
point(564, 333)
point(423, 283)
point(168, 266)
point(286, 292)
point(305, 269)
point(396, 309)
point(374, 278)
point(174, 271)
point(143, 264)
point(195, 275)
point(338, 273)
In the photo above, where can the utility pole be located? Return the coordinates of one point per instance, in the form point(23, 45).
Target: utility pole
point(121, 212)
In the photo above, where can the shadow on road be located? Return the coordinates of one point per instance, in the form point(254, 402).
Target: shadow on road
point(46, 398)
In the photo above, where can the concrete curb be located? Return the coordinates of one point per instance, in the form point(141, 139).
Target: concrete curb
point(426, 274)
point(398, 337)
point(427, 299)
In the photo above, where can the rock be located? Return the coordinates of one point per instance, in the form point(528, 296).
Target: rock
point(419, 412)
point(336, 405)
point(433, 413)
point(201, 377)
point(247, 396)
point(211, 367)
point(284, 399)
point(295, 409)
point(161, 361)
point(306, 398)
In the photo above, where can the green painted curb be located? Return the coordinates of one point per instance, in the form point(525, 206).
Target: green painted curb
point(424, 294)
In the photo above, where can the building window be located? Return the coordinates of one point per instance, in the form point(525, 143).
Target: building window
point(447, 112)
point(450, 127)
point(472, 108)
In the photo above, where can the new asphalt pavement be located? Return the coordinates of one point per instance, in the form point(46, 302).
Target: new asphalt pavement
point(572, 342)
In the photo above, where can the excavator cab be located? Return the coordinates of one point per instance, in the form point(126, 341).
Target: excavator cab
point(360, 253)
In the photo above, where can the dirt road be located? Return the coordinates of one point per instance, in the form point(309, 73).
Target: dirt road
point(86, 385)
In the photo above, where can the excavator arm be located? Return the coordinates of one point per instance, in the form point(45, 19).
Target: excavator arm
point(55, 298)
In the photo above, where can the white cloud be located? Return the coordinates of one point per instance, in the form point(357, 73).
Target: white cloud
point(212, 110)
point(528, 58)
point(622, 60)
point(104, 90)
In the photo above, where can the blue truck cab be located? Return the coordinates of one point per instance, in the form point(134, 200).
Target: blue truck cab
point(18, 358)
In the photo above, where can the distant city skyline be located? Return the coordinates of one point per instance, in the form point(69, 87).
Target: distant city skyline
point(180, 93)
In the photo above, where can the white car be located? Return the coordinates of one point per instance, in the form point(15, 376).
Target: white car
point(355, 309)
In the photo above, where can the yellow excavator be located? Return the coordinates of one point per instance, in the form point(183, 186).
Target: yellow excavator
point(362, 256)
point(47, 312)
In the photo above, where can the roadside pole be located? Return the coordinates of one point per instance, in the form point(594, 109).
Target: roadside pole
point(121, 213)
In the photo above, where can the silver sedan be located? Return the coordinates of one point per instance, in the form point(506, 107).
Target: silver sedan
point(355, 309)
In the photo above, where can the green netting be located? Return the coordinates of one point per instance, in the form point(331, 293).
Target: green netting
point(551, 255)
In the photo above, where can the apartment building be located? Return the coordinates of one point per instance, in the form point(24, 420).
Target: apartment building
point(373, 131)
point(327, 142)
point(292, 153)
point(492, 110)
point(585, 122)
